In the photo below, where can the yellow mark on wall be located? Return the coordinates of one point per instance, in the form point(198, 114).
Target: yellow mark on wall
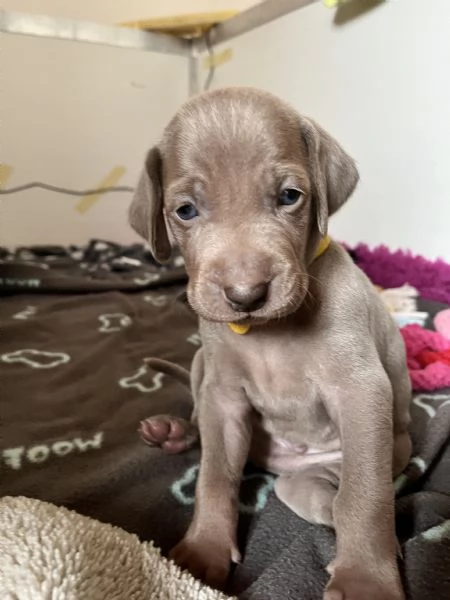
point(5, 172)
point(333, 3)
point(87, 202)
point(216, 60)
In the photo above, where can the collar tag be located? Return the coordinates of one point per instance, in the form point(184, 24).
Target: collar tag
point(239, 328)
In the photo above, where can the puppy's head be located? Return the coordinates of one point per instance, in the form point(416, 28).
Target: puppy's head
point(244, 186)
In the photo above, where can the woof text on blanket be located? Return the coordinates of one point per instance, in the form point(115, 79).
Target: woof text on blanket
point(16, 458)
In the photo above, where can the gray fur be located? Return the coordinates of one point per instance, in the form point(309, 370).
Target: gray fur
point(318, 390)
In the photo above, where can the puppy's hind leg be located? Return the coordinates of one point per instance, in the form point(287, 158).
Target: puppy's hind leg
point(171, 433)
point(310, 493)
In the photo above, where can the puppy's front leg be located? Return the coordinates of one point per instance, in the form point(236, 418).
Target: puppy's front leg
point(365, 567)
point(225, 431)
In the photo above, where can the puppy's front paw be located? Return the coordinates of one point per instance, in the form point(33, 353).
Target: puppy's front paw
point(171, 434)
point(207, 558)
point(357, 584)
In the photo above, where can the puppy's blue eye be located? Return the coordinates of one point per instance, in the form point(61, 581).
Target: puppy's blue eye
point(187, 211)
point(289, 196)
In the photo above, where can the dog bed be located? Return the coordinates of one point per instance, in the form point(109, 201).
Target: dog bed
point(76, 325)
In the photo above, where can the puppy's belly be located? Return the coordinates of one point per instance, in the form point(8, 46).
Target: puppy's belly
point(280, 456)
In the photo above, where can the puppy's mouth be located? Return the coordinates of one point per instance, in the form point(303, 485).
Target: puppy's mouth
point(215, 310)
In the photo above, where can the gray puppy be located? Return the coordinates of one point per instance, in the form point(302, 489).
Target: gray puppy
point(302, 370)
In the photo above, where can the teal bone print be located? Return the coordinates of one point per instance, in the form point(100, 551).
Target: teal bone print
point(183, 489)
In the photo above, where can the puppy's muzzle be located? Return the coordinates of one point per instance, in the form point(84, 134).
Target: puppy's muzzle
point(247, 298)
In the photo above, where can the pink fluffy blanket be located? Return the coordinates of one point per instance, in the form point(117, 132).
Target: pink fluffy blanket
point(418, 341)
point(390, 269)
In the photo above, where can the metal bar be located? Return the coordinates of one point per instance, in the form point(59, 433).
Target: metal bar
point(254, 17)
point(193, 74)
point(90, 32)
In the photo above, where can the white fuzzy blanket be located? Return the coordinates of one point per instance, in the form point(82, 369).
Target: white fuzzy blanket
point(51, 553)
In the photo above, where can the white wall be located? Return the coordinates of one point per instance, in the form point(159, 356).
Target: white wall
point(381, 85)
point(70, 113)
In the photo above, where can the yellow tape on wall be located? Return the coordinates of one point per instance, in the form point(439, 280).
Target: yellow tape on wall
point(87, 202)
point(216, 60)
point(333, 3)
point(5, 173)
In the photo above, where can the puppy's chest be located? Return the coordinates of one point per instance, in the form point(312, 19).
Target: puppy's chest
point(288, 394)
point(284, 395)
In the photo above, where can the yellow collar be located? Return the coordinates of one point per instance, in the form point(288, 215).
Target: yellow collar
point(241, 328)
point(323, 246)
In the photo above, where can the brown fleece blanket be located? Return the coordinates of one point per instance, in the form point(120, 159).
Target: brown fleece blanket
point(76, 325)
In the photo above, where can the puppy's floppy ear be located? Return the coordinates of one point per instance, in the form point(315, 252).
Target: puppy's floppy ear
point(146, 211)
point(334, 172)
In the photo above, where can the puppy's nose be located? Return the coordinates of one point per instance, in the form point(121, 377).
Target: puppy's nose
point(245, 298)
